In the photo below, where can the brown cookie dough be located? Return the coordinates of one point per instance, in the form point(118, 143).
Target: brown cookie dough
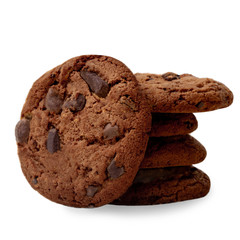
point(172, 93)
point(173, 151)
point(166, 185)
point(172, 124)
point(83, 131)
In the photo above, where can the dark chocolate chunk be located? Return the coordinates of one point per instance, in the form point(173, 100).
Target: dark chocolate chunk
point(169, 76)
point(53, 101)
point(22, 131)
point(53, 141)
point(35, 181)
point(189, 125)
point(200, 105)
point(75, 105)
point(91, 191)
point(96, 84)
point(114, 171)
point(110, 131)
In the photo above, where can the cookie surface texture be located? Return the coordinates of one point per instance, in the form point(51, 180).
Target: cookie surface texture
point(172, 93)
point(173, 151)
point(83, 131)
point(172, 124)
point(166, 185)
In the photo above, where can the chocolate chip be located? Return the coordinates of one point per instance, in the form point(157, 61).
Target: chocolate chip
point(110, 131)
point(35, 181)
point(75, 105)
point(53, 101)
point(53, 141)
point(189, 125)
point(91, 191)
point(96, 84)
point(169, 76)
point(114, 171)
point(200, 105)
point(22, 131)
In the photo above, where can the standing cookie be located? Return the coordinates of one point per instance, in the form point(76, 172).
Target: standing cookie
point(83, 131)
point(172, 93)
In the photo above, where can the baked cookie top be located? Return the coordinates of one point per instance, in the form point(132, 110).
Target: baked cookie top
point(172, 93)
point(83, 131)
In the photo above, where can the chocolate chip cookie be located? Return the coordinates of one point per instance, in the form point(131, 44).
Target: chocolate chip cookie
point(83, 131)
point(172, 124)
point(172, 93)
point(173, 151)
point(166, 185)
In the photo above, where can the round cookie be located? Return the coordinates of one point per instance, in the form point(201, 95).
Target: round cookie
point(172, 124)
point(173, 151)
point(166, 185)
point(172, 93)
point(83, 131)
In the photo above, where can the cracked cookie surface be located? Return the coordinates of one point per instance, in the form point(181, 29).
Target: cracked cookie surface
point(172, 93)
point(83, 131)
point(166, 185)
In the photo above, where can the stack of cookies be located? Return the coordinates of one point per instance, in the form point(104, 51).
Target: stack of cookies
point(92, 133)
point(166, 173)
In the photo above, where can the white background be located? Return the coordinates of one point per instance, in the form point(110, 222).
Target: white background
point(197, 37)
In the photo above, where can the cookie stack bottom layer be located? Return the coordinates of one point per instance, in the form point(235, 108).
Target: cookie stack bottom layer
point(166, 185)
